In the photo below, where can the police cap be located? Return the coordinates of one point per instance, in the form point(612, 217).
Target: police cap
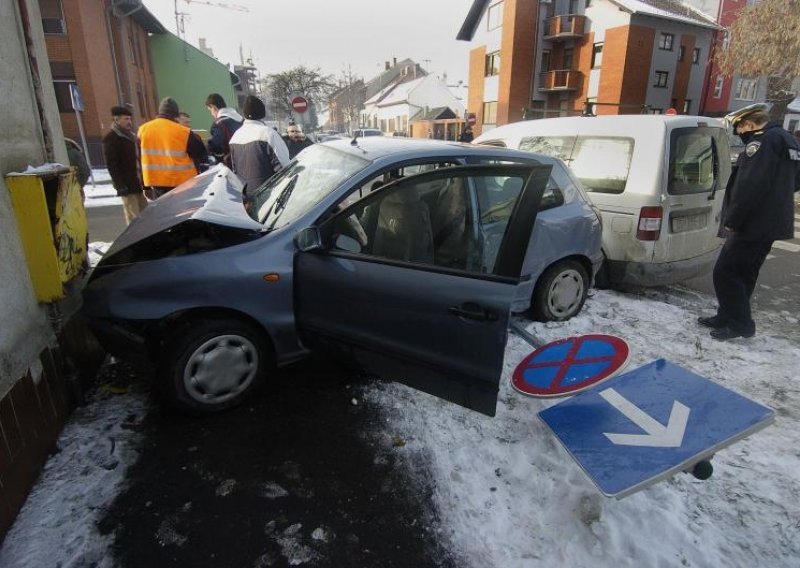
point(736, 116)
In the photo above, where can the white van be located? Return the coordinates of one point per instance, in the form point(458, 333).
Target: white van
point(657, 180)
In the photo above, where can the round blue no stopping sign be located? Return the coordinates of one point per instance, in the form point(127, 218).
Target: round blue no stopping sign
point(570, 365)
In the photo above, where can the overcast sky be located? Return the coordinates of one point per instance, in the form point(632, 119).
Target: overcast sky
point(329, 34)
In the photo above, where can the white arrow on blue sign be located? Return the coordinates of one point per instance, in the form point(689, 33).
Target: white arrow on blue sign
point(649, 424)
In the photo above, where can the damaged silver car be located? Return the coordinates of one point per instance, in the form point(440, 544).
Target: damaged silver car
point(405, 256)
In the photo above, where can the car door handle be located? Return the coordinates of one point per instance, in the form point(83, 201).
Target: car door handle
point(472, 311)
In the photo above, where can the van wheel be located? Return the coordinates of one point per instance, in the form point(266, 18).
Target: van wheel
point(560, 292)
point(214, 364)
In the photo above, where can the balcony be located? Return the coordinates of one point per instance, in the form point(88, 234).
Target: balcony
point(559, 80)
point(560, 28)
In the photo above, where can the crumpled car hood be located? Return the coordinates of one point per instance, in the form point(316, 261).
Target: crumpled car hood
point(214, 196)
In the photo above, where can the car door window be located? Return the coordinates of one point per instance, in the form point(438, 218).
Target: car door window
point(493, 193)
point(441, 224)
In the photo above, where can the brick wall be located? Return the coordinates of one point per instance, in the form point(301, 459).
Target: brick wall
point(683, 72)
point(516, 59)
point(477, 60)
point(636, 72)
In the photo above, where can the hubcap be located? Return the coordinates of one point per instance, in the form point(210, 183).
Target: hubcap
point(566, 293)
point(220, 369)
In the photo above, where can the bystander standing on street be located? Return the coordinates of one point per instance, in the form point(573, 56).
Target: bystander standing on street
point(119, 148)
point(257, 151)
point(295, 140)
point(226, 122)
point(168, 151)
point(466, 136)
point(758, 209)
point(185, 119)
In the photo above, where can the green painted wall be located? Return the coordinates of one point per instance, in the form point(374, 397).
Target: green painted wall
point(188, 75)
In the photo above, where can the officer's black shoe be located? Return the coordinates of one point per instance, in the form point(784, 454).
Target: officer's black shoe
point(725, 333)
point(711, 321)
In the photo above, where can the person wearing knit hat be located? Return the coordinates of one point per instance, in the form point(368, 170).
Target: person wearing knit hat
point(257, 151)
point(168, 107)
point(253, 108)
point(169, 152)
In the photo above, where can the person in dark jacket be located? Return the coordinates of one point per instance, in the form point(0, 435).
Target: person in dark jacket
point(466, 136)
point(295, 140)
point(257, 151)
point(226, 122)
point(757, 210)
point(119, 148)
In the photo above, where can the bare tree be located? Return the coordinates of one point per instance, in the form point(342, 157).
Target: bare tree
point(312, 83)
point(348, 100)
point(765, 41)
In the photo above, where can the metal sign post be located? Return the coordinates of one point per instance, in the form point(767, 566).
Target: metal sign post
point(77, 105)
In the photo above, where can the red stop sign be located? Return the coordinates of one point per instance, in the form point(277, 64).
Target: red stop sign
point(299, 104)
point(471, 119)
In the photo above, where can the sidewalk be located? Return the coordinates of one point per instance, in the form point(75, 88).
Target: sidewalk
point(100, 193)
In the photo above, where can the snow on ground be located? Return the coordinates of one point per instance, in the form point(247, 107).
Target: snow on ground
point(506, 493)
point(101, 192)
point(509, 495)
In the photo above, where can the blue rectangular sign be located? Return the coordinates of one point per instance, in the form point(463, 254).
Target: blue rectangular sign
point(650, 423)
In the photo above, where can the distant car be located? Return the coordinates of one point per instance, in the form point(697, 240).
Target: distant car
point(406, 256)
point(329, 137)
point(362, 132)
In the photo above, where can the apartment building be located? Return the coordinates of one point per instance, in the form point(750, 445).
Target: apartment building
point(537, 58)
point(100, 46)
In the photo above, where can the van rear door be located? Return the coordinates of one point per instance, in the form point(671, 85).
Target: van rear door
point(698, 169)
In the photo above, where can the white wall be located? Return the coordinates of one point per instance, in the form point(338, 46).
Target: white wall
point(24, 330)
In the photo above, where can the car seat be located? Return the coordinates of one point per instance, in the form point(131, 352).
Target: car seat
point(449, 225)
point(403, 230)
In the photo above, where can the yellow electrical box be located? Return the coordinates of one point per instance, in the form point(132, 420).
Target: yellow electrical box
point(52, 224)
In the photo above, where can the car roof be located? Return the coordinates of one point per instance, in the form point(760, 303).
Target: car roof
point(631, 123)
point(399, 148)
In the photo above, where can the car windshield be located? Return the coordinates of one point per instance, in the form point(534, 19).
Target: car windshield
point(316, 172)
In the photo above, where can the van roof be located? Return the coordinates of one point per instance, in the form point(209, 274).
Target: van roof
point(631, 123)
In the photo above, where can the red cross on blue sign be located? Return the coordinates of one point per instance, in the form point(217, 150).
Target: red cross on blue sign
point(570, 365)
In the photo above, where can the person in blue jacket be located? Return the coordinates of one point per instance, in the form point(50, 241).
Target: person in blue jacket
point(757, 210)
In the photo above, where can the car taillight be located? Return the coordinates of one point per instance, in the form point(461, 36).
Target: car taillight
point(649, 228)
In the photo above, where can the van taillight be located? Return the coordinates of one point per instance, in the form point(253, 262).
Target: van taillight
point(649, 228)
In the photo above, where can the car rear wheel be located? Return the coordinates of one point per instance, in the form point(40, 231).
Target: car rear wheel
point(560, 292)
point(211, 365)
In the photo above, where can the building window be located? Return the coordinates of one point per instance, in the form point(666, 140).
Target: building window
point(665, 42)
point(52, 17)
point(597, 56)
point(545, 61)
point(63, 95)
point(681, 49)
point(569, 54)
point(696, 55)
point(726, 39)
point(687, 106)
point(490, 113)
point(662, 77)
point(718, 87)
point(746, 89)
point(495, 16)
point(492, 64)
point(573, 6)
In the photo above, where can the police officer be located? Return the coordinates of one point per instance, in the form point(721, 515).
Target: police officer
point(758, 209)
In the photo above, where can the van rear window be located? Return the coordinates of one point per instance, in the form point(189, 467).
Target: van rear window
point(601, 163)
point(694, 161)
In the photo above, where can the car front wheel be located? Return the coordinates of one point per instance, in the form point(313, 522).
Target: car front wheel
point(560, 292)
point(211, 365)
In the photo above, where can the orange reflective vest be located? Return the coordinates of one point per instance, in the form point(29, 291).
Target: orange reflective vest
point(165, 162)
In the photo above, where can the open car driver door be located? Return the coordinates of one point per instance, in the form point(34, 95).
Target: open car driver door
point(420, 292)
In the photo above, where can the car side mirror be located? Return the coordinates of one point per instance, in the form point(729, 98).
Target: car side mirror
point(308, 239)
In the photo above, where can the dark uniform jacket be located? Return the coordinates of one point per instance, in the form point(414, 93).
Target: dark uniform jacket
point(296, 146)
point(122, 162)
point(759, 201)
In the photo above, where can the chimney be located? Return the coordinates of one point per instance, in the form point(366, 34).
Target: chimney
point(394, 62)
point(387, 66)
